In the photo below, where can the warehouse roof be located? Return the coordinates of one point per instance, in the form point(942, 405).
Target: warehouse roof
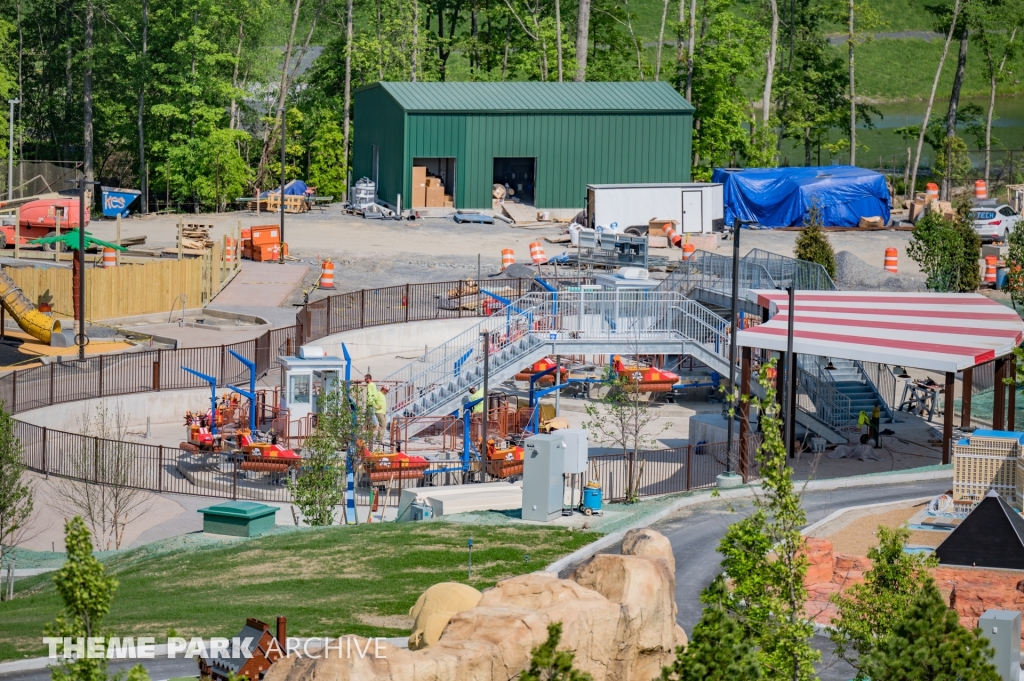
point(520, 97)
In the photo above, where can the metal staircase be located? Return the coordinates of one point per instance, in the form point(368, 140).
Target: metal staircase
point(849, 379)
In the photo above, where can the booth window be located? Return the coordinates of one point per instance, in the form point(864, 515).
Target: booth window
point(299, 390)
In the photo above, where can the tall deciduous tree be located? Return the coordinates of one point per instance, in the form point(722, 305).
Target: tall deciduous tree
point(16, 496)
point(582, 39)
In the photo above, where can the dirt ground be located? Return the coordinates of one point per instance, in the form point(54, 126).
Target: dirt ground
point(371, 253)
point(859, 535)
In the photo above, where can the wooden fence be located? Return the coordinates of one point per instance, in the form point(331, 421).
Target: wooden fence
point(129, 289)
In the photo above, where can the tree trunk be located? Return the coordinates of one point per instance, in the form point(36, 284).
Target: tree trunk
point(380, 47)
point(992, 103)
point(508, 38)
point(661, 41)
point(348, 79)
point(582, 40)
point(305, 45)
point(543, 48)
point(690, 47)
point(142, 105)
point(21, 92)
point(415, 39)
point(234, 76)
point(931, 99)
point(773, 43)
point(954, 104)
point(474, 55)
point(268, 142)
point(853, 96)
point(87, 46)
point(558, 37)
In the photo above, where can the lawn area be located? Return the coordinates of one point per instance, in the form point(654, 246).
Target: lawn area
point(358, 580)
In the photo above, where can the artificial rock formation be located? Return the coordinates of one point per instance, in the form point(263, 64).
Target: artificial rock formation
point(617, 614)
point(435, 607)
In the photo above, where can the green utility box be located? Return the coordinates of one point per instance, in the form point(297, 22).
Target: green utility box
point(238, 518)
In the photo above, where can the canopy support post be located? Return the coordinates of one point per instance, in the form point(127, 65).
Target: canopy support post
point(1011, 397)
point(947, 415)
point(999, 399)
point(744, 414)
point(965, 399)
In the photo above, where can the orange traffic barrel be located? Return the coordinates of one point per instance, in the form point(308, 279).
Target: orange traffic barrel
point(508, 257)
point(688, 250)
point(931, 192)
point(537, 253)
point(980, 189)
point(670, 234)
point(890, 260)
point(109, 257)
point(229, 249)
point(327, 274)
point(990, 269)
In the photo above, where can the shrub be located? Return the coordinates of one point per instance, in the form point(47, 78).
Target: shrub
point(812, 244)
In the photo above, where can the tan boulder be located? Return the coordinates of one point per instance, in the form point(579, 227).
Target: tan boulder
point(435, 607)
point(648, 542)
point(617, 615)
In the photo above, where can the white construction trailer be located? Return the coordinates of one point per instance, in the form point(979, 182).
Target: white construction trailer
point(697, 206)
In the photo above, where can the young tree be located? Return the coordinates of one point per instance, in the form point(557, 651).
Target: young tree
point(1015, 268)
point(928, 643)
point(947, 250)
point(87, 593)
point(763, 560)
point(719, 649)
point(106, 457)
point(869, 611)
point(319, 489)
point(16, 495)
point(812, 243)
point(623, 418)
point(547, 663)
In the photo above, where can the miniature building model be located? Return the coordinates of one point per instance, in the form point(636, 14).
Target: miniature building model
point(989, 460)
point(264, 650)
point(991, 536)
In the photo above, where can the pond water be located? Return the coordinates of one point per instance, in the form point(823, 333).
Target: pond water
point(887, 149)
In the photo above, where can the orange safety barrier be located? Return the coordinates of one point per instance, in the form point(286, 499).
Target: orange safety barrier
point(326, 275)
point(891, 260)
point(537, 253)
point(670, 234)
point(508, 257)
point(990, 269)
point(109, 258)
point(931, 192)
point(229, 249)
point(980, 189)
point(688, 250)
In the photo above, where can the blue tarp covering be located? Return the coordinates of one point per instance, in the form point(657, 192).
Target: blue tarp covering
point(293, 188)
point(781, 197)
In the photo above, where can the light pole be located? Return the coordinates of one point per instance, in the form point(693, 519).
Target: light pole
point(10, 152)
point(284, 124)
point(81, 339)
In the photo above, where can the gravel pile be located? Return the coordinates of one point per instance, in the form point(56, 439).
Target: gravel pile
point(853, 274)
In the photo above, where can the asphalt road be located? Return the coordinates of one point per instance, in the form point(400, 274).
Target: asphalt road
point(696, 531)
point(160, 669)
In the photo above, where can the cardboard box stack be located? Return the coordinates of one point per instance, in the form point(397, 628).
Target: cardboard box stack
point(435, 193)
point(419, 186)
point(263, 243)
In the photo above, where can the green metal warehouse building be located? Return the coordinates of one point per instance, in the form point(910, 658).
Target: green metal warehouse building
point(548, 141)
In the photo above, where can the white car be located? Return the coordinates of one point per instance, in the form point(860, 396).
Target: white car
point(995, 222)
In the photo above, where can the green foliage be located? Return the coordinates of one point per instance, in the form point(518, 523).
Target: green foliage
point(869, 611)
point(813, 245)
point(762, 558)
point(87, 594)
point(319, 488)
point(16, 496)
point(209, 169)
point(719, 649)
point(547, 663)
point(1015, 267)
point(327, 170)
point(928, 643)
point(953, 149)
point(947, 250)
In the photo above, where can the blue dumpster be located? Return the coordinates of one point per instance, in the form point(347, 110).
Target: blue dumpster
point(591, 500)
point(117, 201)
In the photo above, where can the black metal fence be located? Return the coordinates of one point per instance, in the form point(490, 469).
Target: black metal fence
point(161, 468)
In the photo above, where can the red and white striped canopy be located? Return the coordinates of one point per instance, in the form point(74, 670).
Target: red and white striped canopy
point(932, 331)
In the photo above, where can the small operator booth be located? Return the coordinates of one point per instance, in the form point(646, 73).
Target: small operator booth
point(303, 380)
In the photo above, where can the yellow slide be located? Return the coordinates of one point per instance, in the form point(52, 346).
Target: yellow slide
point(32, 321)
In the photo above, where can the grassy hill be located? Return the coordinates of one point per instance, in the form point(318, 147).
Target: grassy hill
point(356, 580)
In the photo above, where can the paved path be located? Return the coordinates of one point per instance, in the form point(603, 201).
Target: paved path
point(696, 531)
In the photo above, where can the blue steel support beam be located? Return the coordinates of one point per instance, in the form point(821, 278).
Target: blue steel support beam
point(213, 396)
point(251, 394)
point(350, 476)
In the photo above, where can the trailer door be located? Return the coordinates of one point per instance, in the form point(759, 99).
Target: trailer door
point(693, 213)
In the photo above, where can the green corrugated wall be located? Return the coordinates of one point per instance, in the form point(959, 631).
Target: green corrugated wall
point(572, 149)
point(381, 122)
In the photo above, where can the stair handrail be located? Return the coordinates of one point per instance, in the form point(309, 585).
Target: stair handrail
point(830, 406)
point(803, 274)
point(883, 375)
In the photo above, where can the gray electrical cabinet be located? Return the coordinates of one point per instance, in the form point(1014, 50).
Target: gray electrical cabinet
point(1002, 629)
point(576, 450)
point(543, 467)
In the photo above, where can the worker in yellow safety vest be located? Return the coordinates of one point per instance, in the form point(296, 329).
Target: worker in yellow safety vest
point(377, 406)
point(476, 393)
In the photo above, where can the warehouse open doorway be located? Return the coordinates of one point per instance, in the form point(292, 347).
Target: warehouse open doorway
point(519, 175)
point(433, 182)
